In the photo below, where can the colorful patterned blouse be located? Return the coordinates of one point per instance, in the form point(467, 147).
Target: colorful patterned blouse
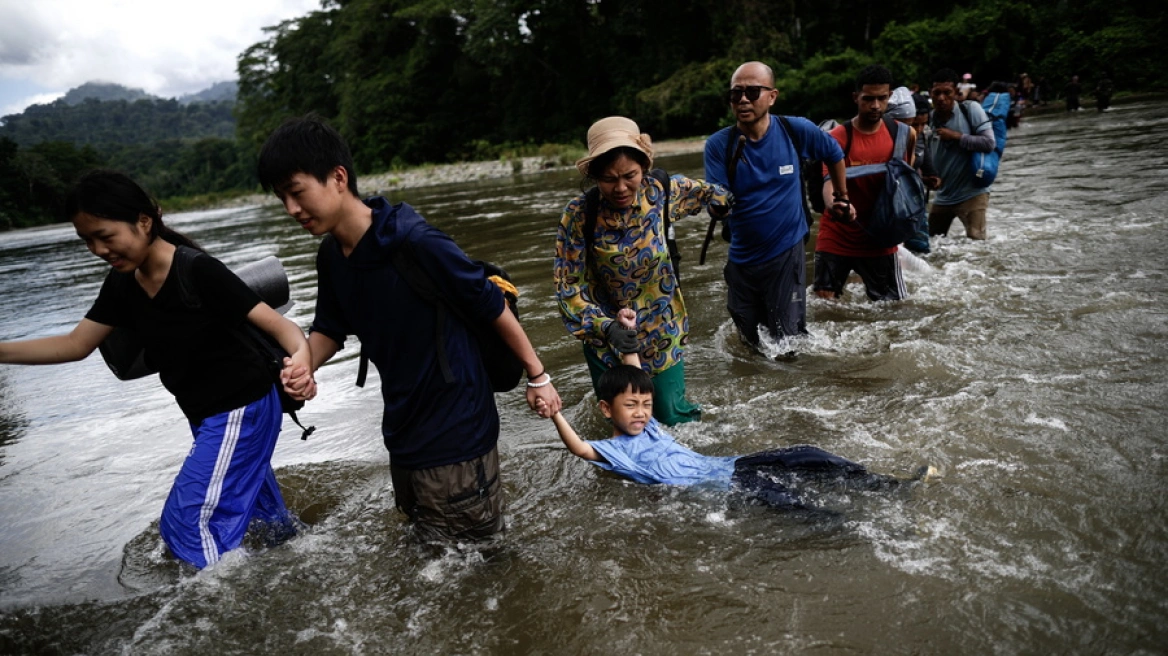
point(629, 266)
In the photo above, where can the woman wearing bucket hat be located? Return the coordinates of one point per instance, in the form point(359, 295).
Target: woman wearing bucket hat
point(624, 262)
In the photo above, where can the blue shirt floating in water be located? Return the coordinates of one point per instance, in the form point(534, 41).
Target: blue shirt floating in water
point(769, 477)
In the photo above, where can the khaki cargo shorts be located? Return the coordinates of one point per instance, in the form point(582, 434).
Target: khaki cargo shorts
point(462, 501)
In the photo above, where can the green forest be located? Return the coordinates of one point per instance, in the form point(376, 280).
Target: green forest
point(428, 81)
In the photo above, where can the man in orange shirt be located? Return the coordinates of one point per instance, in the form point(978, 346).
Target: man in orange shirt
point(842, 245)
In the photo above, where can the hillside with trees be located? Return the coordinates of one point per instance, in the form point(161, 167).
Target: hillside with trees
point(410, 81)
point(175, 147)
point(416, 81)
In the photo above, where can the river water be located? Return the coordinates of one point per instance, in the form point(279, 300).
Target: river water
point(1030, 368)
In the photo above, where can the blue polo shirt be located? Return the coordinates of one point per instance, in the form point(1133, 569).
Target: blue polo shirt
point(655, 457)
point(768, 216)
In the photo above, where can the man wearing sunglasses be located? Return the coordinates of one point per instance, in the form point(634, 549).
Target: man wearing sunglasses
point(759, 160)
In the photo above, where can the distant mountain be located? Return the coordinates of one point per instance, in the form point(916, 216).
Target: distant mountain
point(103, 91)
point(217, 92)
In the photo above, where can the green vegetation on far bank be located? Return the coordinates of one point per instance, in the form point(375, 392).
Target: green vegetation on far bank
point(414, 81)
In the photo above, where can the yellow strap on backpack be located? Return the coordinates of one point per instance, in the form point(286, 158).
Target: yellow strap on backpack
point(504, 285)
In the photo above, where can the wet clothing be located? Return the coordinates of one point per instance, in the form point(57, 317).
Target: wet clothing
point(972, 214)
point(772, 294)
point(844, 246)
point(849, 238)
point(768, 224)
point(629, 267)
point(200, 357)
point(769, 477)
point(461, 501)
point(670, 406)
point(952, 159)
point(224, 389)
point(427, 422)
point(883, 280)
point(226, 483)
point(436, 432)
point(655, 457)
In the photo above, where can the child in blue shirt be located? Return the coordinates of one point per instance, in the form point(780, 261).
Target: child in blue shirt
point(642, 451)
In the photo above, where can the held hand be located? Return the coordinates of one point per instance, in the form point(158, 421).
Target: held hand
point(297, 380)
point(948, 135)
point(718, 211)
point(545, 401)
point(620, 338)
point(843, 210)
point(627, 319)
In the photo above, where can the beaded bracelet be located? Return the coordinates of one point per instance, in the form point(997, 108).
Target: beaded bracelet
point(544, 383)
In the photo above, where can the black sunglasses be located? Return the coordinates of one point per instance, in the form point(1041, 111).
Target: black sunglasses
point(751, 92)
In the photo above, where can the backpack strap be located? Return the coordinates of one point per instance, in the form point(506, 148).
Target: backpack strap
point(734, 152)
point(735, 149)
point(797, 143)
point(899, 137)
point(405, 260)
point(184, 257)
point(663, 178)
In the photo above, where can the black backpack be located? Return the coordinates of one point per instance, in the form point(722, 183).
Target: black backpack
point(592, 207)
point(503, 369)
point(124, 354)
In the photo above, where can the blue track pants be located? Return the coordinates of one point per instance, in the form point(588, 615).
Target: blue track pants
point(225, 483)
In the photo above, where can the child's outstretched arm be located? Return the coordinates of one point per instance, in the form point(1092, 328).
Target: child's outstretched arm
point(628, 319)
point(76, 345)
point(297, 374)
point(571, 440)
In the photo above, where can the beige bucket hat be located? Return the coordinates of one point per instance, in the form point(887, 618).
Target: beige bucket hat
point(614, 132)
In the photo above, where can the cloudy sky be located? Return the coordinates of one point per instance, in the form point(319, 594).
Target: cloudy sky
point(165, 47)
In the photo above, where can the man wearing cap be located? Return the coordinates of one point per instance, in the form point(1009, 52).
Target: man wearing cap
point(759, 160)
point(845, 246)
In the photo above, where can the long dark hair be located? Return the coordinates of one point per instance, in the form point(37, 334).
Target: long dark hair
point(115, 196)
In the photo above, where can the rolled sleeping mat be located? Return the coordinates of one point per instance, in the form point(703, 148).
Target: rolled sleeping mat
point(268, 279)
point(125, 355)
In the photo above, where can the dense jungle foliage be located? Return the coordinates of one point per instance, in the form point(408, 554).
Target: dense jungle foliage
point(413, 81)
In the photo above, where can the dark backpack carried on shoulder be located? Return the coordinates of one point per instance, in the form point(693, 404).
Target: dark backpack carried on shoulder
point(901, 205)
point(503, 368)
point(592, 207)
point(125, 354)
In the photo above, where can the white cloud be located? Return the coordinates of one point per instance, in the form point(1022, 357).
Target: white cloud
point(167, 48)
point(22, 104)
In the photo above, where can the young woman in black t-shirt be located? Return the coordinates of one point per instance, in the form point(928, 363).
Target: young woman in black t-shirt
point(221, 385)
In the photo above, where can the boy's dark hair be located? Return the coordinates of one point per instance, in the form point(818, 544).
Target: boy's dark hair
point(620, 379)
point(874, 74)
point(306, 144)
point(597, 167)
point(946, 75)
